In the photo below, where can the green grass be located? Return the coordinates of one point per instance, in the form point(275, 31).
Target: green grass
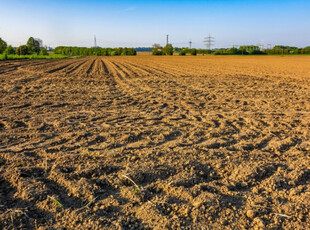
point(55, 201)
point(137, 188)
point(33, 56)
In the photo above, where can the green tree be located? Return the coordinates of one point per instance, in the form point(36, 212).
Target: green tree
point(193, 52)
point(3, 45)
point(157, 50)
point(43, 52)
point(132, 51)
point(168, 49)
point(233, 50)
point(305, 50)
point(58, 50)
point(33, 45)
point(5, 57)
point(22, 50)
point(83, 51)
point(9, 50)
point(207, 51)
point(125, 52)
point(114, 53)
point(105, 52)
point(177, 49)
point(182, 53)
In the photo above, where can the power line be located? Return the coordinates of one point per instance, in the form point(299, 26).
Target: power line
point(209, 41)
point(95, 42)
point(190, 44)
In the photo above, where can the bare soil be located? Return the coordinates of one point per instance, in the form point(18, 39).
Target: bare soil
point(155, 143)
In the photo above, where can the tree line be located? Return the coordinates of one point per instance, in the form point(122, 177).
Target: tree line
point(33, 46)
point(242, 50)
point(95, 51)
point(255, 50)
point(288, 50)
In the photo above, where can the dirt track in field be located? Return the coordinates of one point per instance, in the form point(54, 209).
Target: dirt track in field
point(155, 143)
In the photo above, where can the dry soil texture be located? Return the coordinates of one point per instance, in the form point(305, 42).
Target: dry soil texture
point(155, 143)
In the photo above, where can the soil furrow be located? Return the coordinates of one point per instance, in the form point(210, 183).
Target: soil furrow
point(105, 69)
point(74, 66)
point(91, 66)
point(155, 143)
point(122, 77)
point(38, 64)
point(79, 67)
point(155, 82)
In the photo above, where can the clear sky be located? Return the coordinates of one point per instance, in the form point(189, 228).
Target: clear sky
point(143, 23)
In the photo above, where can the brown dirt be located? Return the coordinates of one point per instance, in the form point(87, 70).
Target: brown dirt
point(155, 143)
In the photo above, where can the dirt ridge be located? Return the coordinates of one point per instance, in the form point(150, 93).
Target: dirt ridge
point(155, 143)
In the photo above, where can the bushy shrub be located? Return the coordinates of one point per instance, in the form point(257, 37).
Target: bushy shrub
point(33, 45)
point(255, 52)
point(157, 52)
point(124, 52)
point(233, 51)
point(182, 53)
point(9, 50)
point(128, 52)
point(132, 52)
point(168, 49)
point(220, 52)
point(305, 50)
point(3, 46)
point(95, 51)
point(105, 52)
point(119, 51)
point(43, 52)
point(114, 53)
point(193, 52)
point(22, 50)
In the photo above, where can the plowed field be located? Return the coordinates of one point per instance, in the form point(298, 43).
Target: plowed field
point(155, 143)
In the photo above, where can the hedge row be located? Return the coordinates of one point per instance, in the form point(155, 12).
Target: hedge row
point(84, 51)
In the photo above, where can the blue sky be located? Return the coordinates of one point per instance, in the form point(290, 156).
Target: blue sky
point(143, 23)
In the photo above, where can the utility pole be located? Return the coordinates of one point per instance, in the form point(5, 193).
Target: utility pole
point(95, 42)
point(209, 41)
point(261, 45)
point(190, 44)
point(167, 39)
